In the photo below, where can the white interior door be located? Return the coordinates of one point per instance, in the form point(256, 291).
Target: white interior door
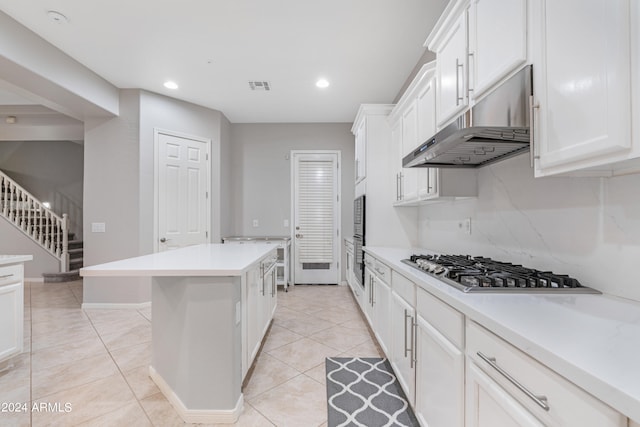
point(183, 183)
point(316, 213)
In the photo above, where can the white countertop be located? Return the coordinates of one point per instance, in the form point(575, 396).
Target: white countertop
point(592, 340)
point(200, 260)
point(13, 259)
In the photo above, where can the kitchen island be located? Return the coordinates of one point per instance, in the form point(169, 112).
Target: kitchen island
point(11, 307)
point(199, 323)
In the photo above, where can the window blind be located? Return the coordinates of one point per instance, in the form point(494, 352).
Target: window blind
point(316, 195)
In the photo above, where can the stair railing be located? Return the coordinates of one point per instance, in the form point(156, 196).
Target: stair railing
point(36, 221)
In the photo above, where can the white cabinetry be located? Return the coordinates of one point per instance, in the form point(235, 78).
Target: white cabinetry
point(11, 312)
point(507, 388)
point(412, 123)
point(371, 132)
point(403, 333)
point(497, 42)
point(478, 44)
point(439, 363)
point(451, 71)
point(582, 84)
point(377, 300)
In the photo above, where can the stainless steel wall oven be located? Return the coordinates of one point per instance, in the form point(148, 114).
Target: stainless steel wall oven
point(358, 238)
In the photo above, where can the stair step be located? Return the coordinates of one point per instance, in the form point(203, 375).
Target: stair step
point(75, 244)
point(69, 276)
point(75, 251)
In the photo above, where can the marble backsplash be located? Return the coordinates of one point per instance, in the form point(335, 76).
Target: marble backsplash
point(588, 228)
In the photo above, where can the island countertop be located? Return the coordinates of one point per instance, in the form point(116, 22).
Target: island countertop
point(200, 260)
point(13, 259)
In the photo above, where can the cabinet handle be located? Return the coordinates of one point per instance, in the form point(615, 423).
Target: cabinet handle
point(458, 97)
point(397, 186)
point(6, 275)
point(533, 107)
point(541, 401)
point(412, 361)
point(401, 185)
point(406, 316)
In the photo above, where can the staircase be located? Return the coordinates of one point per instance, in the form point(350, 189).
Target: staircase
point(42, 226)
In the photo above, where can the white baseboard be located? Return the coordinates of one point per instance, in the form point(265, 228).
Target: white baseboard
point(34, 279)
point(197, 416)
point(115, 306)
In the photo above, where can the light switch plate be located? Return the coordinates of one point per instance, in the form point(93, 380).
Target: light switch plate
point(255, 222)
point(98, 227)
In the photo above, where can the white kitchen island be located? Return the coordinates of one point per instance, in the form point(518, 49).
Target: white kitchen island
point(11, 307)
point(199, 323)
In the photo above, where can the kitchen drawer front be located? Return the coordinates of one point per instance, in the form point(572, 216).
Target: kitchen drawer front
point(568, 405)
point(446, 319)
point(382, 271)
point(10, 274)
point(369, 261)
point(403, 287)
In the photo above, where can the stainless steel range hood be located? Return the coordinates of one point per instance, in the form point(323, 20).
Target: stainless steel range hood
point(495, 129)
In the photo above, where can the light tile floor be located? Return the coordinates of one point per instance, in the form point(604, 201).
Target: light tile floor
point(97, 362)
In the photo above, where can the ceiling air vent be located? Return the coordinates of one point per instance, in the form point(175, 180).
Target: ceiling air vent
point(262, 85)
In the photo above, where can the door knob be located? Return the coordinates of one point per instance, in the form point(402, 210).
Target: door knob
point(162, 240)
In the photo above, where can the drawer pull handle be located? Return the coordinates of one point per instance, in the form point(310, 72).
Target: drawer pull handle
point(541, 401)
point(6, 275)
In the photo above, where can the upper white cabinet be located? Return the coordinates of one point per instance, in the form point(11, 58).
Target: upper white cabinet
point(497, 42)
point(371, 131)
point(581, 51)
point(478, 44)
point(360, 166)
point(412, 122)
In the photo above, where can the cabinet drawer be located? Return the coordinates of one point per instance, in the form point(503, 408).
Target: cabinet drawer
point(403, 287)
point(446, 319)
point(10, 274)
point(382, 271)
point(369, 261)
point(567, 404)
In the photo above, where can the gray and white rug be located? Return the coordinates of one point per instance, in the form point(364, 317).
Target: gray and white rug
point(364, 392)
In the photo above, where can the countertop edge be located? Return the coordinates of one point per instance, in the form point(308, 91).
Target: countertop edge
point(607, 392)
point(14, 259)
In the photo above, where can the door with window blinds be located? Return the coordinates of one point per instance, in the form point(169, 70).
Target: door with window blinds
point(316, 210)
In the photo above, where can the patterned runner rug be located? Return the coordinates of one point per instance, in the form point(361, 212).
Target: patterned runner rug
point(364, 392)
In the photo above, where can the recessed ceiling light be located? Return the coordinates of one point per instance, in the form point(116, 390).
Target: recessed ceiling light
point(171, 85)
point(322, 83)
point(57, 17)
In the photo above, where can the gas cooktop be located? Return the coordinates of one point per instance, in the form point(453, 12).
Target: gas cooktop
point(480, 274)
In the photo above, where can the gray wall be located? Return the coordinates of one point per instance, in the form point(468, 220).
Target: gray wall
point(261, 174)
point(50, 170)
point(119, 184)
point(14, 242)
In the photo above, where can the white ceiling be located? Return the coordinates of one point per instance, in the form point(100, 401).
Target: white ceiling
point(212, 48)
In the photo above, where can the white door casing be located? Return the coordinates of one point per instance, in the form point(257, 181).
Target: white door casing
point(182, 190)
point(315, 193)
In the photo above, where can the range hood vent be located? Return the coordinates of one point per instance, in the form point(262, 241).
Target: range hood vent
point(494, 129)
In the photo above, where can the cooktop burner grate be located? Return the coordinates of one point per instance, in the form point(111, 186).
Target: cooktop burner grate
point(480, 274)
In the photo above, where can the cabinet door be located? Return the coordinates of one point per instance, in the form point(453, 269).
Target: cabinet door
point(381, 307)
point(489, 405)
point(361, 151)
point(451, 72)
point(403, 340)
point(11, 320)
point(439, 379)
point(495, 49)
point(581, 83)
point(426, 105)
point(367, 298)
point(396, 159)
point(254, 316)
point(409, 182)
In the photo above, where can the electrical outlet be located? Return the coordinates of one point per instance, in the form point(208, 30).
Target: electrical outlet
point(255, 223)
point(286, 223)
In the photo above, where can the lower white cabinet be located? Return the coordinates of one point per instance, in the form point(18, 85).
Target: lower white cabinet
point(489, 405)
point(11, 311)
point(506, 387)
point(439, 362)
point(261, 301)
point(403, 324)
point(381, 301)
